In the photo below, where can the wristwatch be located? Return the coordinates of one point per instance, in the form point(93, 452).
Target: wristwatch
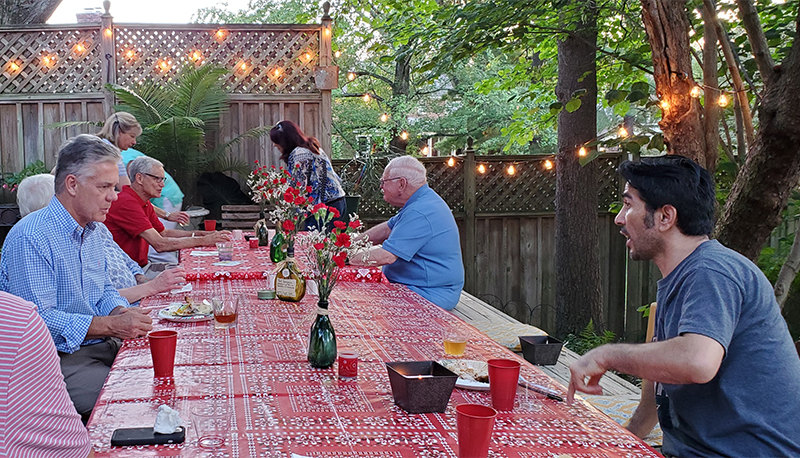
point(166, 215)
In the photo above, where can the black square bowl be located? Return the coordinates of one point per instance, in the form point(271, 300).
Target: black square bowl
point(421, 386)
point(542, 350)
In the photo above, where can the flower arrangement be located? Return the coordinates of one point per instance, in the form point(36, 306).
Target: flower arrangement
point(268, 183)
point(327, 251)
point(291, 211)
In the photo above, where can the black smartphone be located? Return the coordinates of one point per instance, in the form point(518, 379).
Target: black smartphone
point(145, 436)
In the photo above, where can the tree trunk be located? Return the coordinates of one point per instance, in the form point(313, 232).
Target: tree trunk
point(667, 27)
point(711, 111)
point(26, 11)
point(789, 270)
point(401, 88)
point(772, 169)
point(578, 293)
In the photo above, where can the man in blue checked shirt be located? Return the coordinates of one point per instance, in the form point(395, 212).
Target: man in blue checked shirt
point(55, 259)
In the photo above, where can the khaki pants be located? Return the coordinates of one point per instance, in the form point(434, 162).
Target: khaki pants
point(85, 372)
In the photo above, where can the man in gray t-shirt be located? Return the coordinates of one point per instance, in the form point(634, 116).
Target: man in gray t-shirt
point(727, 374)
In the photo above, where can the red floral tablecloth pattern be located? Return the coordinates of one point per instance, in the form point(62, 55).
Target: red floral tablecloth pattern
point(283, 406)
point(255, 264)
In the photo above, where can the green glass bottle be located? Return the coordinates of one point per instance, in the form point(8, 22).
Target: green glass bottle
point(322, 339)
point(277, 252)
point(262, 232)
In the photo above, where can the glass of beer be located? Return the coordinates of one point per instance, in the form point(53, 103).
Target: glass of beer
point(455, 341)
point(225, 310)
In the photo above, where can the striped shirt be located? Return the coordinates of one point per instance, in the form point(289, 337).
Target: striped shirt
point(122, 270)
point(50, 260)
point(37, 418)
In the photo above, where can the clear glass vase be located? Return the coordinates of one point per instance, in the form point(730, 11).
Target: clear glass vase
point(322, 339)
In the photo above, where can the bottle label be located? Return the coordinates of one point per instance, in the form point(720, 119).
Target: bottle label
point(285, 272)
point(285, 287)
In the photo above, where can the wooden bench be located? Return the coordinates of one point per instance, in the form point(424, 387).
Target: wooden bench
point(620, 397)
point(241, 216)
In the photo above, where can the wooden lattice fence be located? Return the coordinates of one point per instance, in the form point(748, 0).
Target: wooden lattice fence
point(56, 73)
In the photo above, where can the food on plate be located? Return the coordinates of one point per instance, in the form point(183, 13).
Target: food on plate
point(189, 308)
point(468, 369)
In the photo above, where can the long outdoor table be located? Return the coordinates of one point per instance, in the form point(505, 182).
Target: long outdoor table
point(283, 406)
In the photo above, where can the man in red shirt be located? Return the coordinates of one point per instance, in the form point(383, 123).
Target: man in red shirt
point(134, 224)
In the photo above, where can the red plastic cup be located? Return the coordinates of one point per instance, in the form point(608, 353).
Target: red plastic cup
point(162, 349)
point(253, 243)
point(474, 424)
point(210, 224)
point(348, 365)
point(503, 380)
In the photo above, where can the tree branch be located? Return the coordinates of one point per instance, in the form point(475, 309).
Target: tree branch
point(374, 96)
point(758, 42)
point(376, 76)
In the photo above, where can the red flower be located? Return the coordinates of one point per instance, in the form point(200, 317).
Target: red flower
point(339, 259)
point(319, 207)
point(288, 173)
point(300, 201)
point(287, 226)
point(319, 246)
point(355, 224)
point(343, 240)
point(335, 212)
point(339, 224)
point(275, 181)
point(309, 189)
point(288, 197)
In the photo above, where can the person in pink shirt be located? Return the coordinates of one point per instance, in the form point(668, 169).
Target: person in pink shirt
point(37, 417)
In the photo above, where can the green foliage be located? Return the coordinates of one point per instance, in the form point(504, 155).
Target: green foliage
point(175, 118)
point(12, 180)
point(588, 339)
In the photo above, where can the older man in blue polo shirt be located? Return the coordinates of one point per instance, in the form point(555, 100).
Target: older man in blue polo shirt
point(421, 247)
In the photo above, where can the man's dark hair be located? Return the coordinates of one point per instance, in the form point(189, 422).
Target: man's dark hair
point(677, 181)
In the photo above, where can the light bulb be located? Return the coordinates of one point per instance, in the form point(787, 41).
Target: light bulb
point(13, 66)
point(404, 135)
point(723, 100)
point(451, 162)
point(108, 32)
point(79, 48)
point(351, 76)
point(129, 54)
point(337, 54)
point(196, 55)
point(220, 33)
point(481, 168)
point(511, 170)
point(277, 72)
point(695, 92)
point(384, 117)
point(548, 164)
point(622, 132)
point(366, 97)
point(243, 66)
point(425, 151)
point(582, 152)
point(664, 105)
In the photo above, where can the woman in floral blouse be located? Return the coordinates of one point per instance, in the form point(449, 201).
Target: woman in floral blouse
point(309, 166)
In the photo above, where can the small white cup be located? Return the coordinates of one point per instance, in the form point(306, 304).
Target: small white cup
point(237, 234)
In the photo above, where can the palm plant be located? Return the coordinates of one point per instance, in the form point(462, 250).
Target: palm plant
point(177, 117)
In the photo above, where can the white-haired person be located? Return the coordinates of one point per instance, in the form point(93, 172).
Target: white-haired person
point(36, 191)
point(421, 246)
point(121, 130)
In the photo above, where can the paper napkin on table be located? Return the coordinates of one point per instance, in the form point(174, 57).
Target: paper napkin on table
point(295, 455)
point(204, 253)
point(185, 289)
point(168, 420)
point(227, 263)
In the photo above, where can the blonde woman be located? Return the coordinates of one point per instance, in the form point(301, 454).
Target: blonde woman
point(121, 130)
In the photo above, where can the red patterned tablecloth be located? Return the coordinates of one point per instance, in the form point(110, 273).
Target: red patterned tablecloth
point(254, 264)
point(283, 406)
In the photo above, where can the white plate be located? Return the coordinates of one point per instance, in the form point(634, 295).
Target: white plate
point(465, 384)
point(168, 314)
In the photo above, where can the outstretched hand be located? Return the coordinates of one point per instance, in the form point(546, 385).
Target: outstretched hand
point(587, 366)
point(180, 217)
point(168, 280)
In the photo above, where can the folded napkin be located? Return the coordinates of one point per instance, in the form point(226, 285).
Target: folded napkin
point(185, 289)
point(227, 263)
point(204, 253)
point(168, 420)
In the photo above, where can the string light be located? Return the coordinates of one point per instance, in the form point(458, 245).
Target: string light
point(243, 67)
point(511, 170)
point(664, 105)
point(49, 60)
point(366, 97)
point(326, 31)
point(79, 48)
point(129, 54)
point(13, 66)
point(404, 135)
point(220, 34)
point(481, 168)
point(351, 76)
point(307, 57)
point(276, 73)
point(695, 92)
point(622, 132)
point(451, 162)
point(108, 32)
point(582, 152)
point(425, 151)
point(337, 54)
point(723, 100)
point(384, 117)
point(196, 55)
point(548, 164)
point(164, 65)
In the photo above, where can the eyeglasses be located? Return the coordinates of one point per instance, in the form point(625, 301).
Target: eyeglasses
point(156, 177)
point(384, 180)
point(280, 127)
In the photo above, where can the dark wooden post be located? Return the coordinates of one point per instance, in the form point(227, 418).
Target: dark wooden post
point(470, 250)
point(109, 58)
